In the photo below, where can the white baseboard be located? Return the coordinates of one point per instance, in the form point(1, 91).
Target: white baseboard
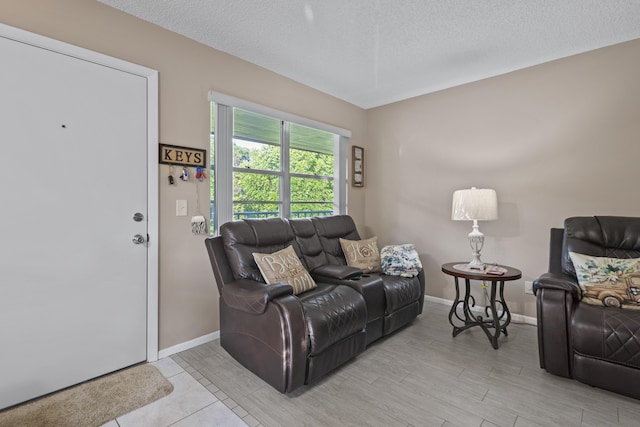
point(516, 318)
point(166, 352)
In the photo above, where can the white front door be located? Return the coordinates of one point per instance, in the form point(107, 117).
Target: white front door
point(73, 284)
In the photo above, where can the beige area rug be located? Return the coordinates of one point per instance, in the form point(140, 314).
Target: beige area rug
point(92, 403)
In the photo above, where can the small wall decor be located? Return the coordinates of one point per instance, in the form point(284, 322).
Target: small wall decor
point(198, 225)
point(357, 166)
point(182, 156)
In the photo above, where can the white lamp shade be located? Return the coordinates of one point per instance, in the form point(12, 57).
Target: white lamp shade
point(475, 204)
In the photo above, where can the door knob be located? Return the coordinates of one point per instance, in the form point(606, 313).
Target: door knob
point(138, 239)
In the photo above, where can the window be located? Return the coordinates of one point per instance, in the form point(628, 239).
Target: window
point(265, 163)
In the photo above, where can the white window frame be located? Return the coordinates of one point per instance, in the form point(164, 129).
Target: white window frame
point(223, 153)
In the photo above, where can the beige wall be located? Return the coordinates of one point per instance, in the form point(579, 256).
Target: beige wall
point(187, 71)
point(556, 140)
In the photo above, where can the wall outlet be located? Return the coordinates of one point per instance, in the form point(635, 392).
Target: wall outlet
point(528, 287)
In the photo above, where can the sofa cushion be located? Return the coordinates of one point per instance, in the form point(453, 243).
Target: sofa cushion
point(242, 238)
point(362, 254)
point(603, 236)
point(607, 334)
point(330, 229)
point(613, 282)
point(332, 313)
point(284, 267)
point(313, 254)
point(400, 291)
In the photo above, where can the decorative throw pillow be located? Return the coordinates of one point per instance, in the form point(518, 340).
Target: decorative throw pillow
point(362, 254)
point(285, 267)
point(400, 260)
point(613, 282)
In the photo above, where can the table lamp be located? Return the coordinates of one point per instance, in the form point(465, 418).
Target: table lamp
point(475, 204)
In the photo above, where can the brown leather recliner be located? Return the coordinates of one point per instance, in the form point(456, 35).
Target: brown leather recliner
point(596, 345)
point(393, 301)
point(291, 340)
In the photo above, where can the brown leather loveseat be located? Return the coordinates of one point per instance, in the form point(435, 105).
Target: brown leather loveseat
point(291, 340)
point(596, 343)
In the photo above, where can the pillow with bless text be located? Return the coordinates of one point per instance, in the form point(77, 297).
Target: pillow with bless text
point(362, 254)
point(285, 267)
point(612, 282)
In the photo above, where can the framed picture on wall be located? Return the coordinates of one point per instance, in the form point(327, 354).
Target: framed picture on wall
point(357, 166)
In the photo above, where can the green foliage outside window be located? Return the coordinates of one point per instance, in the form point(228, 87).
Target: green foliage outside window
point(257, 167)
point(251, 189)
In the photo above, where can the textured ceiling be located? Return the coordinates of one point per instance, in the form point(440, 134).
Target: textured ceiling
point(374, 52)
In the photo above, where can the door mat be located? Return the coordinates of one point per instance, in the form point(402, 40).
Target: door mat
point(92, 403)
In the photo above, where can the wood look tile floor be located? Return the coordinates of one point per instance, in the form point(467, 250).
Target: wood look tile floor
point(419, 376)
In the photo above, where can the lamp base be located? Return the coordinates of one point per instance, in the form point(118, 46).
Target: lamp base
point(476, 240)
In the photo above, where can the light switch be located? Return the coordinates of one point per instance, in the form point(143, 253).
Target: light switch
point(181, 208)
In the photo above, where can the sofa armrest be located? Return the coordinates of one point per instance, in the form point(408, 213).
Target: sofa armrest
point(554, 312)
point(273, 344)
point(340, 272)
point(370, 286)
point(558, 281)
point(251, 296)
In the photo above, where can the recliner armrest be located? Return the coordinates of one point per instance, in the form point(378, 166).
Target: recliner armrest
point(558, 281)
point(340, 272)
point(251, 296)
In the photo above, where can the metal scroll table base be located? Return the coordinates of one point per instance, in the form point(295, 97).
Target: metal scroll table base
point(492, 323)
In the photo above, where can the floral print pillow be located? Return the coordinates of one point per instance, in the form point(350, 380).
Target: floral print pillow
point(612, 282)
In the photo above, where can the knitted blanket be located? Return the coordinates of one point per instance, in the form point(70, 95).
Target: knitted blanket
point(400, 260)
